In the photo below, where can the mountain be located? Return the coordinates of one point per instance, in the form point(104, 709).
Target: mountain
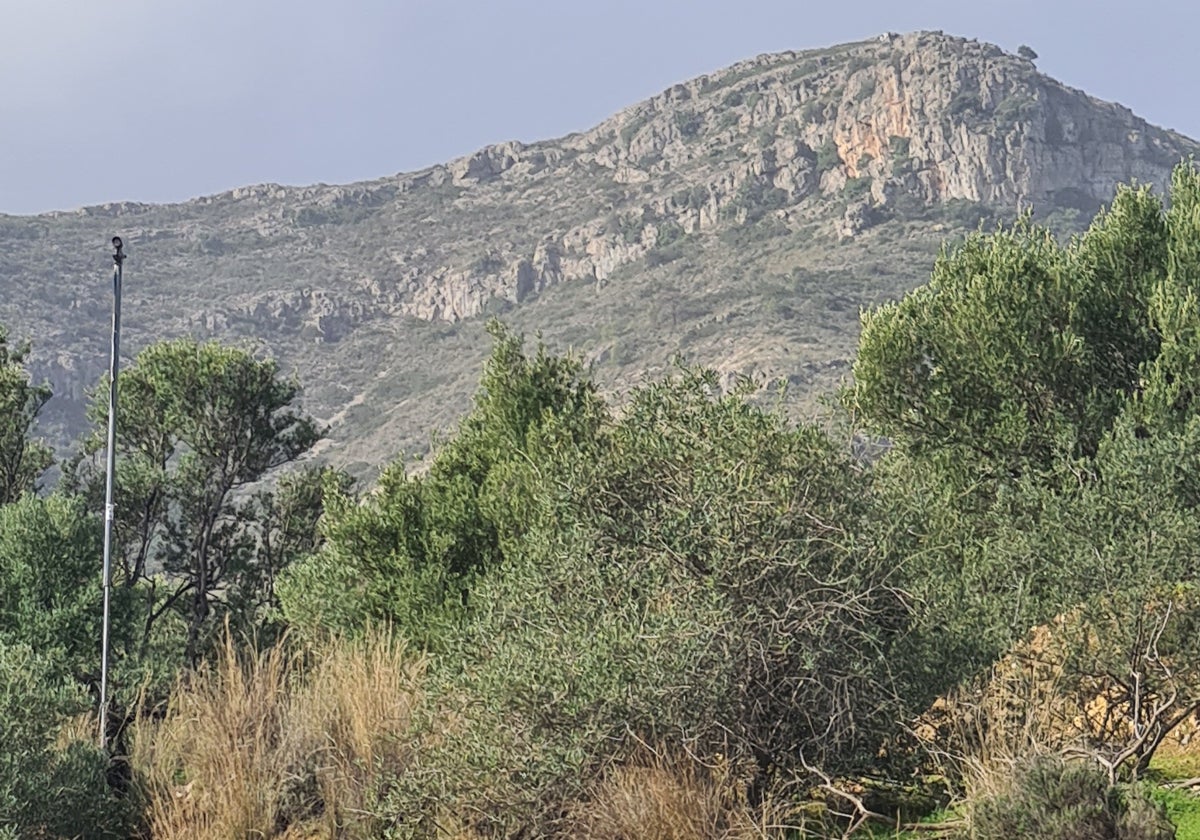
point(740, 219)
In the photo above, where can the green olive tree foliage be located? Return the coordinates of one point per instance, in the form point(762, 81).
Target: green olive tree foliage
point(199, 425)
point(1171, 381)
point(1039, 399)
point(1018, 351)
point(409, 553)
point(22, 459)
point(1105, 556)
point(50, 616)
point(50, 596)
point(50, 627)
point(1130, 537)
point(287, 526)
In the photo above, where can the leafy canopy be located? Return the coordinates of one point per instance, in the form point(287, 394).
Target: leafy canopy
point(198, 426)
point(410, 552)
point(1019, 350)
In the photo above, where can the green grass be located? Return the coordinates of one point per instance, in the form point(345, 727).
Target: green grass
point(1172, 763)
point(879, 832)
point(1183, 808)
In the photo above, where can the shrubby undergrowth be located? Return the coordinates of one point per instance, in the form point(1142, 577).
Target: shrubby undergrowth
point(1053, 799)
point(691, 567)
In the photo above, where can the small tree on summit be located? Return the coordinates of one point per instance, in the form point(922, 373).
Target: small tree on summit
point(1027, 52)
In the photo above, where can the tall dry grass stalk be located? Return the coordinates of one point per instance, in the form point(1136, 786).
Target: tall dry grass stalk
point(670, 797)
point(257, 745)
point(354, 718)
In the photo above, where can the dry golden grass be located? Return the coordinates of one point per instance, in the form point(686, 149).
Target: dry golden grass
point(259, 746)
point(668, 797)
point(214, 766)
point(354, 717)
point(275, 745)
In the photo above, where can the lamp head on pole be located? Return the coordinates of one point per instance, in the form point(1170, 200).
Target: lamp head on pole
point(118, 250)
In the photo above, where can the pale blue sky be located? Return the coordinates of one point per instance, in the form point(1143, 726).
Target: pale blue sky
point(164, 100)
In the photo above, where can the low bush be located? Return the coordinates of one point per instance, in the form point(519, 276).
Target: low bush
point(667, 798)
point(52, 785)
point(1052, 798)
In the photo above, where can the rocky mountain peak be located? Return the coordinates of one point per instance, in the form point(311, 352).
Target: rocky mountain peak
point(923, 116)
point(810, 161)
point(942, 117)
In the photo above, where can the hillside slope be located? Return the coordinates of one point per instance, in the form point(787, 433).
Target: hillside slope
point(740, 219)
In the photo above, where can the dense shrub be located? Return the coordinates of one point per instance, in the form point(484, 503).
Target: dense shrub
point(50, 786)
point(410, 553)
point(22, 459)
point(691, 574)
point(50, 581)
point(1053, 799)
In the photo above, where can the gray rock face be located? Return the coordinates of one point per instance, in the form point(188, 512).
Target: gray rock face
point(827, 142)
point(935, 118)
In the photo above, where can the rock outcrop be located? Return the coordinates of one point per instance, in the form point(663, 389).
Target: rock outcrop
point(794, 162)
point(921, 116)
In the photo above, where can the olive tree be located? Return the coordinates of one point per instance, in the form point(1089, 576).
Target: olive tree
point(1040, 399)
point(199, 426)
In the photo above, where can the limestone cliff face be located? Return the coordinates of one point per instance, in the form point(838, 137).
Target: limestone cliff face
point(744, 169)
point(921, 116)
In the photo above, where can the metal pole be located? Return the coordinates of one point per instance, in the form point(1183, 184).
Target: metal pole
point(118, 262)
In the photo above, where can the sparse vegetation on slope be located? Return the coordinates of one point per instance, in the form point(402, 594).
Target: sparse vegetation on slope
point(675, 226)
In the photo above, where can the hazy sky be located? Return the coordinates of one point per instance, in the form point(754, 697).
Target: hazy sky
point(164, 100)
